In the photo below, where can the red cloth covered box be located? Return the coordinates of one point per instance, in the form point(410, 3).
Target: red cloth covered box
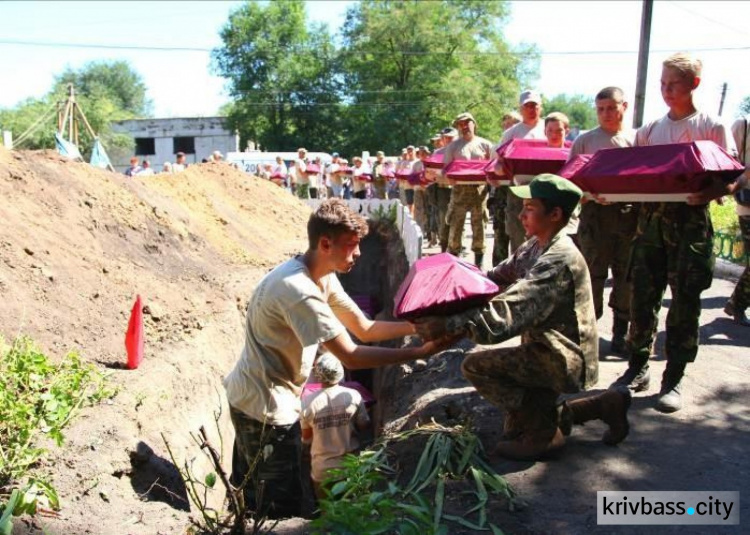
point(442, 285)
point(312, 169)
point(523, 159)
point(573, 165)
point(467, 171)
point(659, 173)
point(434, 161)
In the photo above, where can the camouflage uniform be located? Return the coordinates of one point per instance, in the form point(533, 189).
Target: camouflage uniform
point(499, 201)
point(605, 234)
point(378, 181)
point(466, 197)
point(268, 449)
point(549, 304)
point(444, 194)
point(673, 245)
point(740, 299)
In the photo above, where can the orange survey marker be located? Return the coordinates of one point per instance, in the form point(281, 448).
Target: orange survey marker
point(134, 336)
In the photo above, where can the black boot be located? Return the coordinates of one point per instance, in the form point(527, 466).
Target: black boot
point(478, 257)
point(637, 377)
point(619, 331)
point(670, 399)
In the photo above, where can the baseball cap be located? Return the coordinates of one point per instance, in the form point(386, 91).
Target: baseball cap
point(560, 191)
point(410, 147)
point(436, 137)
point(465, 116)
point(380, 153)
point(529, 96)
point(328, 369)
point(335, 155)
point(448, 131)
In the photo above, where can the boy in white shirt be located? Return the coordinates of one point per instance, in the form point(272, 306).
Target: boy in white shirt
point(673, 244)
point(330, 420)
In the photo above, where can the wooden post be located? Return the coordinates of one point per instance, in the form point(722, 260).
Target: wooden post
point(71, 100)
point(723, 97)
point(640, 87)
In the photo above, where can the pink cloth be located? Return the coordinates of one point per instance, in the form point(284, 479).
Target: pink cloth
point(434, 161)
point(442, 285)
point(312, 169)
point(467, 171)
point(678, 168)
point(572, 167)
point(532, 157)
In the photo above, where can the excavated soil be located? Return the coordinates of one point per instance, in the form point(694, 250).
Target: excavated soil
point(77, 245)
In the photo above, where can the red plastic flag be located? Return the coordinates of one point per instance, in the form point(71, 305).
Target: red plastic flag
point(134, 336)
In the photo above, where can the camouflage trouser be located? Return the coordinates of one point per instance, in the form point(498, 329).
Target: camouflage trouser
point(529, 377)
point(513, 227)
point(420, 209)
point(605, 234)
point(378, 188)
point(303, 191)
point(673, 245)
point(741, 295)
point(466, 198)
point(502, 240)
point(276, 453)
point(432, 212)
point(443, 201)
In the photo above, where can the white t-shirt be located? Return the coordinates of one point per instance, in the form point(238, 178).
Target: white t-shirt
point(696, 127)
point(524, 131)
point(738, 132)
point(332, 413)
point(299, 172)
point(287, 318)
point(597, 139)
point(359, 184)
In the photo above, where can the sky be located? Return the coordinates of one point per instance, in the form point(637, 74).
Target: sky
point(585, 46)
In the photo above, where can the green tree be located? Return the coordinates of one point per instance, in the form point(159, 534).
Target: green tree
point(106, 91)
point(282, 76)
point(745, 106)
point(115, 81)
point(579, 109)
point(412, 66)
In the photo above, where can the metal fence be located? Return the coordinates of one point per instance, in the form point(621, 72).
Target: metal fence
point(730, 247)
point(410, 232)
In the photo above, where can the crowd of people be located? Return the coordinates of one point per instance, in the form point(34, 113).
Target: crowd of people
point(551, 256)
point(143, 167)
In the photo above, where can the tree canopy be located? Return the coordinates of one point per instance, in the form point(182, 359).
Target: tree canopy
point(397, 73)
point(106, 91)
point(579, 109)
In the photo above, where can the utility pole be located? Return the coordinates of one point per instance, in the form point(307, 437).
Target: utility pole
point(723, 96)
point(643, 49)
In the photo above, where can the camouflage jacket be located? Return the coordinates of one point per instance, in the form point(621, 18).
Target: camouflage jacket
point(548, 300)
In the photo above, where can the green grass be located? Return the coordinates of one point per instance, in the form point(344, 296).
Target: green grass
point(724, 216)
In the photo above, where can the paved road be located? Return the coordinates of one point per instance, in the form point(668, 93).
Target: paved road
point(705, 446)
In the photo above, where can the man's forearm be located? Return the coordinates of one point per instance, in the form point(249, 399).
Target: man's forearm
point(378, 331)
point(374, 357)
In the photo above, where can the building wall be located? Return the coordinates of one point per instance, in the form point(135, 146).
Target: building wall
point(210, 134)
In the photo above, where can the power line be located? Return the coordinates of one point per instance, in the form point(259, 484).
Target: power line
point(375, 53)
point(720, 23)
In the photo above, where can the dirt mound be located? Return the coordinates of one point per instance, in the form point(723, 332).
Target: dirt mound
point(76, 246)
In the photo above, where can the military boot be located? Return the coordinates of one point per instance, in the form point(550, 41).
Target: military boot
point(611, 407)
point(637, 377)
point(512, 425)
point(619, 332)
point(670, 399)
point(478, 257)
point(535, 424)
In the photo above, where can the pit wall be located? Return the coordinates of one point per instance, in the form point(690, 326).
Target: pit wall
point(387, 253)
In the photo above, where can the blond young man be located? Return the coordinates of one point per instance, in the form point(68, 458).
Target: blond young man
point(606, 230)
point(673, 243)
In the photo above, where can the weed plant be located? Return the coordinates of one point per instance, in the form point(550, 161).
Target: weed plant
point(37, 398)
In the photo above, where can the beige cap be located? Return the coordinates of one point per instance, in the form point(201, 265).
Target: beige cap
point(529, 96)
point(465, 116)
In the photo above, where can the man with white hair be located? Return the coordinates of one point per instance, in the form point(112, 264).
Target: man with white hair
point(330, 420)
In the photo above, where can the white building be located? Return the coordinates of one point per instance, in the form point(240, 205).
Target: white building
point(158, 140)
